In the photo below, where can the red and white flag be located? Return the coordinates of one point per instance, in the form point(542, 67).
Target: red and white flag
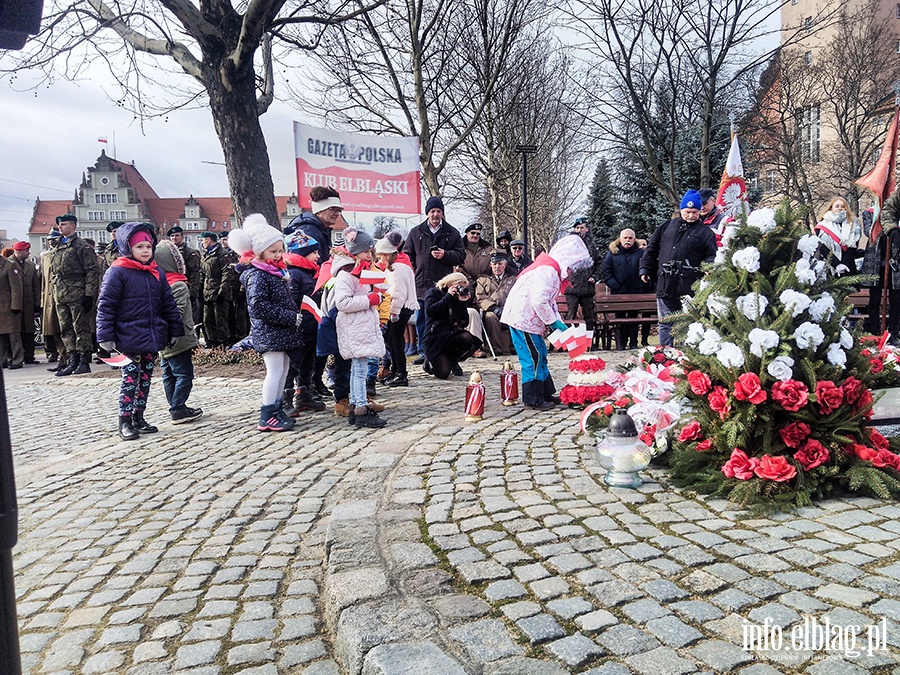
point(310, 306)
point(102, 140)
point(117, 360)
point(732, 199)
point(372, 276)
point(881, 180)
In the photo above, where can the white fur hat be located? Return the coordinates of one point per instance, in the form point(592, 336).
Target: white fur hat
point(255, 235)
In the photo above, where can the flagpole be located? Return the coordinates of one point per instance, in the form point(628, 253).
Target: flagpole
point(114, 145)
point(882, 319)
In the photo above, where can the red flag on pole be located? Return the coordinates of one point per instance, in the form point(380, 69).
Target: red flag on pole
point(881, 180)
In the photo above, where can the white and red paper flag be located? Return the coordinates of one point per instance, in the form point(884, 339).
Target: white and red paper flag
point(310, 306)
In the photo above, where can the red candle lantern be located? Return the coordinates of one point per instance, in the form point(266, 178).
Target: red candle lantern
point(509, 385)
point(475, 398)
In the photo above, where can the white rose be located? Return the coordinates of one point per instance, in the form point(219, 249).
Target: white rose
point(836, 356)
point(695, 333)
point(822, 308)
point(820, 269)
point(752, 305)
point(781, 368)
point(762, 340)
point(746, 259)
point(808, 335)
point(762, 219)
point(721, 256)
point(846, 339)
point(728, 234)
point(717, 305)
point(804, 273)
point(808, 245)
point(730, 355)
point(710, 342)
point(794, 301)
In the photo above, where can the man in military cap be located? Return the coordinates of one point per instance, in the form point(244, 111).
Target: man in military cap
point(192, 258)
point(216, 291)
point(31, 296)
point(491, 291)
point(238, 318)
point(74, 274)
point(111, 251)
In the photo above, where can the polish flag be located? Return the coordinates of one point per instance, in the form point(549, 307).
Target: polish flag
point(373, 276)
point(116, 360)
point(310, 306)
point(102, 140)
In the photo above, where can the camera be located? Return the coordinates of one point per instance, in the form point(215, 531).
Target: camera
point(462, 291)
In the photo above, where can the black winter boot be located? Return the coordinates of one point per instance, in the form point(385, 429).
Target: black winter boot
point(62, 362)
point(70, 366)
point(84, 364)
point(305, 401)
point(370, 387)
point(140, 424)
point(126, 429)
point(367, 418)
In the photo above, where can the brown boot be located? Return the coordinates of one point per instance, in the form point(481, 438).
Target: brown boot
point(342, 408)
point(375, 407)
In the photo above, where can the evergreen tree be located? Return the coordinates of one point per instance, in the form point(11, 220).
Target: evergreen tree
point(601, 214)
point(778, 387)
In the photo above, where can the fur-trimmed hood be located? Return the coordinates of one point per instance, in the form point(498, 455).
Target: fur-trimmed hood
point(614, 245)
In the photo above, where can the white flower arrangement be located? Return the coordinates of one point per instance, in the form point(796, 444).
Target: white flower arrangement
point(823, 308)
point(808, 335)
point(710, 343)
point(794, 301)
point(846, 339)
point(836, 356)
point(730, 355)
point(762, 219)
point(781, 368)
point(804, 272)
point(762, 341)
point(717, 305)
point(746, 259)
point(808, 245)
point(695, 333)
point(728, 234)
point(752, 305)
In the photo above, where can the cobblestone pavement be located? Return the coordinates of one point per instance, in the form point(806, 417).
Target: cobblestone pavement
point(431, 546)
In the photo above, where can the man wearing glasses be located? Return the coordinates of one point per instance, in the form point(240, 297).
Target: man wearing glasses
point(518, 261)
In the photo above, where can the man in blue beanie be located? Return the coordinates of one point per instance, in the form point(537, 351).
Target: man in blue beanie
point(673, 257)
point(435, 247)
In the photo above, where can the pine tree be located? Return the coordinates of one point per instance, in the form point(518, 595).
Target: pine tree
point(778, 386)
point(601, 215)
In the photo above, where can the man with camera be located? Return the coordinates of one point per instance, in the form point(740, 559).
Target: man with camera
point(673, 257)
point(435, 248)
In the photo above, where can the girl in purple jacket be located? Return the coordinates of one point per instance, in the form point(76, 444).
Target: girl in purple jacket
point(136, 316)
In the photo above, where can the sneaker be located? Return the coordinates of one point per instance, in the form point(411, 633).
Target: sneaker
point(419, 360)
point(369, 420)
point(545, 405)
point(185, 414)
point(398, 381)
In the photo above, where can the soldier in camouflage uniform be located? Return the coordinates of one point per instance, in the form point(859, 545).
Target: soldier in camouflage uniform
point(192, 258)
point(238, 319)
point(111, 251)
point(216, 291)
point(75, 274)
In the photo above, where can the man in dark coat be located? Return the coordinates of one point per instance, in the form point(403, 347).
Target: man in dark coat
point(216, 291)
point(75, 277)
point(238, 318)
point(435, 248)
point(673, 257)
point(621, 271)
point(583, 282)
point(518, 260)
point(31, 296)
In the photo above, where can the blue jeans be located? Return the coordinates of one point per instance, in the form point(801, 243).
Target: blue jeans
point(420, 326)
point(358, 369)
point(664, 307)
point(372, 368)
point(178, 378)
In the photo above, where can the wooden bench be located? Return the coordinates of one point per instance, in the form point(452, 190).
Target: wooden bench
point(606, 307)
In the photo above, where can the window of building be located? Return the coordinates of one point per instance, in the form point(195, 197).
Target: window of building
point(103, 237)
point(809, 129)
point(106, 198)
point(118, 215)
point(104, 181)
point(193, 226)
point(96, 215)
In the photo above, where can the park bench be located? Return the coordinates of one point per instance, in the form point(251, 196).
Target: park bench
point(606, 307)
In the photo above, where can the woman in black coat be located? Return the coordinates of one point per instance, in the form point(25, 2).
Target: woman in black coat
point(446, 340)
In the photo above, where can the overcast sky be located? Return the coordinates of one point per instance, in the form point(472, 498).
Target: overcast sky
point(49, 138)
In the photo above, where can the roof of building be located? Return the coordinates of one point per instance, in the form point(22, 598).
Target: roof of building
point(142, 188)
point(45, 213)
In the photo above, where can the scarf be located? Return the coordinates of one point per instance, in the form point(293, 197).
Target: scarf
point(360, 266)
point(278, 269)
point(295, 260)
point(133, 264)
point(175, 277)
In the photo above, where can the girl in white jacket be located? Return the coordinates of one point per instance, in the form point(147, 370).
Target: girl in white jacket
point(358, 328)
point(402, 289)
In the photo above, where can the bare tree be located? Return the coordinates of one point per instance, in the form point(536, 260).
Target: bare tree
point(417, 68)
point(215, 43)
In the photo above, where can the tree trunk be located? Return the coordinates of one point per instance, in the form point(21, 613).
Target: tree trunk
point(232, 101)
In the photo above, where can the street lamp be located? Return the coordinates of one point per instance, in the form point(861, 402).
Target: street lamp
point(525, 150)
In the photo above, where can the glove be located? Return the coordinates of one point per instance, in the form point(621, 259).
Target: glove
point(559, 325)
point(374, 298)
point(395, 318)
point(108, 345)
point(841, 269)
point(87, 303)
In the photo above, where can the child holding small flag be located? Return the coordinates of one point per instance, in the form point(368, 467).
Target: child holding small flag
point(358, 328)
point(301, 256)
point(402, 289)
point(136, 316)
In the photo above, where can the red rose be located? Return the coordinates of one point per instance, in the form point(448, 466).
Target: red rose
point(739, 465)
point(699, 382)
point(608, 409)
point(866, 352)
point(646, 437)
point(748, 388)
point(718, 401)
point(828, 396)
point(794, 434)
point(812, 454)
point(775, 468)
point(863, 452)
point(878, 441)
point(877, 364)
point(691, 431)
point(885, 459)
point(659, 357)
point(791, 394)
point(852, 388)
point(704, 446)
point(864, 402)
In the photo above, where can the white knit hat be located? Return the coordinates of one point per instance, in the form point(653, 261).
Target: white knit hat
point(255, 235)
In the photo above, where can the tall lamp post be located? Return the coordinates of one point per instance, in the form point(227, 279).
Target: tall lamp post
point(525, 150)
point(10, 663)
